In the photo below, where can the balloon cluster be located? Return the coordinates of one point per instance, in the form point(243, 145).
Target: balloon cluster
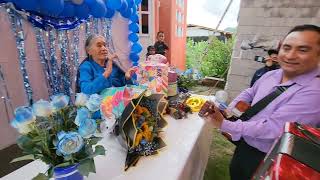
point(55, 12)
point(78, 8)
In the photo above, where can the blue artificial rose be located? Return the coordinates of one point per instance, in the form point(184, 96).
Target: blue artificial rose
point(94, 102)
point(59, 101)
point(87, 128)
point(82, 115)
point(42, 108)
point(69, 143)
point(81, 99)
point(23, 118)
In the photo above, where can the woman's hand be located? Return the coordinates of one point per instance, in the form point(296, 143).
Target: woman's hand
point(112, 56)
point(108, 69)
point(130, 72)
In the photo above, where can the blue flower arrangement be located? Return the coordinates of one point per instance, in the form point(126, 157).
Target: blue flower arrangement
point(60, 134)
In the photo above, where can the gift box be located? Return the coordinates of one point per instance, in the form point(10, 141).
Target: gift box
point(294, 156)
point(140, 126)
point(154, 76)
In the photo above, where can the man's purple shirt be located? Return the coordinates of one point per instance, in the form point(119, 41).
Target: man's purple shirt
point(300, 103)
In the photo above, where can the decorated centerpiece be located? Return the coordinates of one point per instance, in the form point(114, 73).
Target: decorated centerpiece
point(137, 120)
point(61, 135)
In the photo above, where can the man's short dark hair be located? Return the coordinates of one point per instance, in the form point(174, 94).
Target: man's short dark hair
point(305, 27)
point(272, 51)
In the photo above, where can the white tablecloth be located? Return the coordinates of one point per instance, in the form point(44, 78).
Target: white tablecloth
point(185, 157)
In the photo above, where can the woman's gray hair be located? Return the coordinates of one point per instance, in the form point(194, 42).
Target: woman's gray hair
point(89, 40)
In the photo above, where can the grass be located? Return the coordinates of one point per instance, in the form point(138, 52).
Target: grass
point(219, 158)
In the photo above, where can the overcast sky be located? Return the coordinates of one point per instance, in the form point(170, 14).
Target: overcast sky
point(208, 13)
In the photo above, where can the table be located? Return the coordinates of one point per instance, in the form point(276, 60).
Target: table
point(185, 156)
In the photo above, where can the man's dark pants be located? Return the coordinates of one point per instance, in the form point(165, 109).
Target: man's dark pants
point(245, 161)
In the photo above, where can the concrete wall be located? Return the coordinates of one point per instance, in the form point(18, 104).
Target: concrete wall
point(271, 18)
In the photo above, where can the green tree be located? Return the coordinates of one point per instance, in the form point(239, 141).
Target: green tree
point(215, 62)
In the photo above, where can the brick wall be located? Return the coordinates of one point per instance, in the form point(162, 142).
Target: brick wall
point(270, 18)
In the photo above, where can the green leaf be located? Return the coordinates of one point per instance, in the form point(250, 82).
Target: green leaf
point(64, 164)
point(41, 176)
point(86, 166)
point(94, 140)
point(23, 158)
point(25, 142)
point(99, 150)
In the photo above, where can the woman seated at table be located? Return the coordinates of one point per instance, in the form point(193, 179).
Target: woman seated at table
point(98, 71)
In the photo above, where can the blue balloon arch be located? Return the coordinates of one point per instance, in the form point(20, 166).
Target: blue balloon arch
point(68, 14)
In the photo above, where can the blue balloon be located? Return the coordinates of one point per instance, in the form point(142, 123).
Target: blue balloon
point(68, 10)
point(134, 9)
point(90, 2)
point(133, 37)
point(127, 13)
point(82, 11)
point(134, 27)
point(134, 18)
point(110, 13)
point(137, 2)
point(52, 7)
point(98, 9)
point(136, 48)
point(114, 4)
point(134, 57)
point(31, 5)
point(124, 7)
point(130, 3)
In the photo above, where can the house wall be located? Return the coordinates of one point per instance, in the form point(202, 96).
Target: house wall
point(271, 18)
point(169, 24)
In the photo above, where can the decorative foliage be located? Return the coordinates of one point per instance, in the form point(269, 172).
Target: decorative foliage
point(59, 134)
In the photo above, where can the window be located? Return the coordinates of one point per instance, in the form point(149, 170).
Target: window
point(144, 19)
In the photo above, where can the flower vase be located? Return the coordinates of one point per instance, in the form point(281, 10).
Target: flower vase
point(67, 173)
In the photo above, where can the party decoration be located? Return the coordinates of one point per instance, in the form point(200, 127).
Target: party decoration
point(32, 5)
point(78, 2)
point(134, 27)
point(154, 75)
point(133, 37)
point(126, 13)
point(44, 58)
point(130, 3)
point(56, 80)
point(140, 125)
point(68, 10)
point(82, 11)
point(134, 18)
point(65, 66)
point(114, 4)
point(134, 57)
point(110, 13)
point(16, 24)
point(4, 95)
point(52, 8)
point(98, 9)
point(136, 48)
point(48, 132)
point(137, 2)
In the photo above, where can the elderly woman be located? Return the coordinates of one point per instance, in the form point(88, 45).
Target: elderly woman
point(97, 71)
